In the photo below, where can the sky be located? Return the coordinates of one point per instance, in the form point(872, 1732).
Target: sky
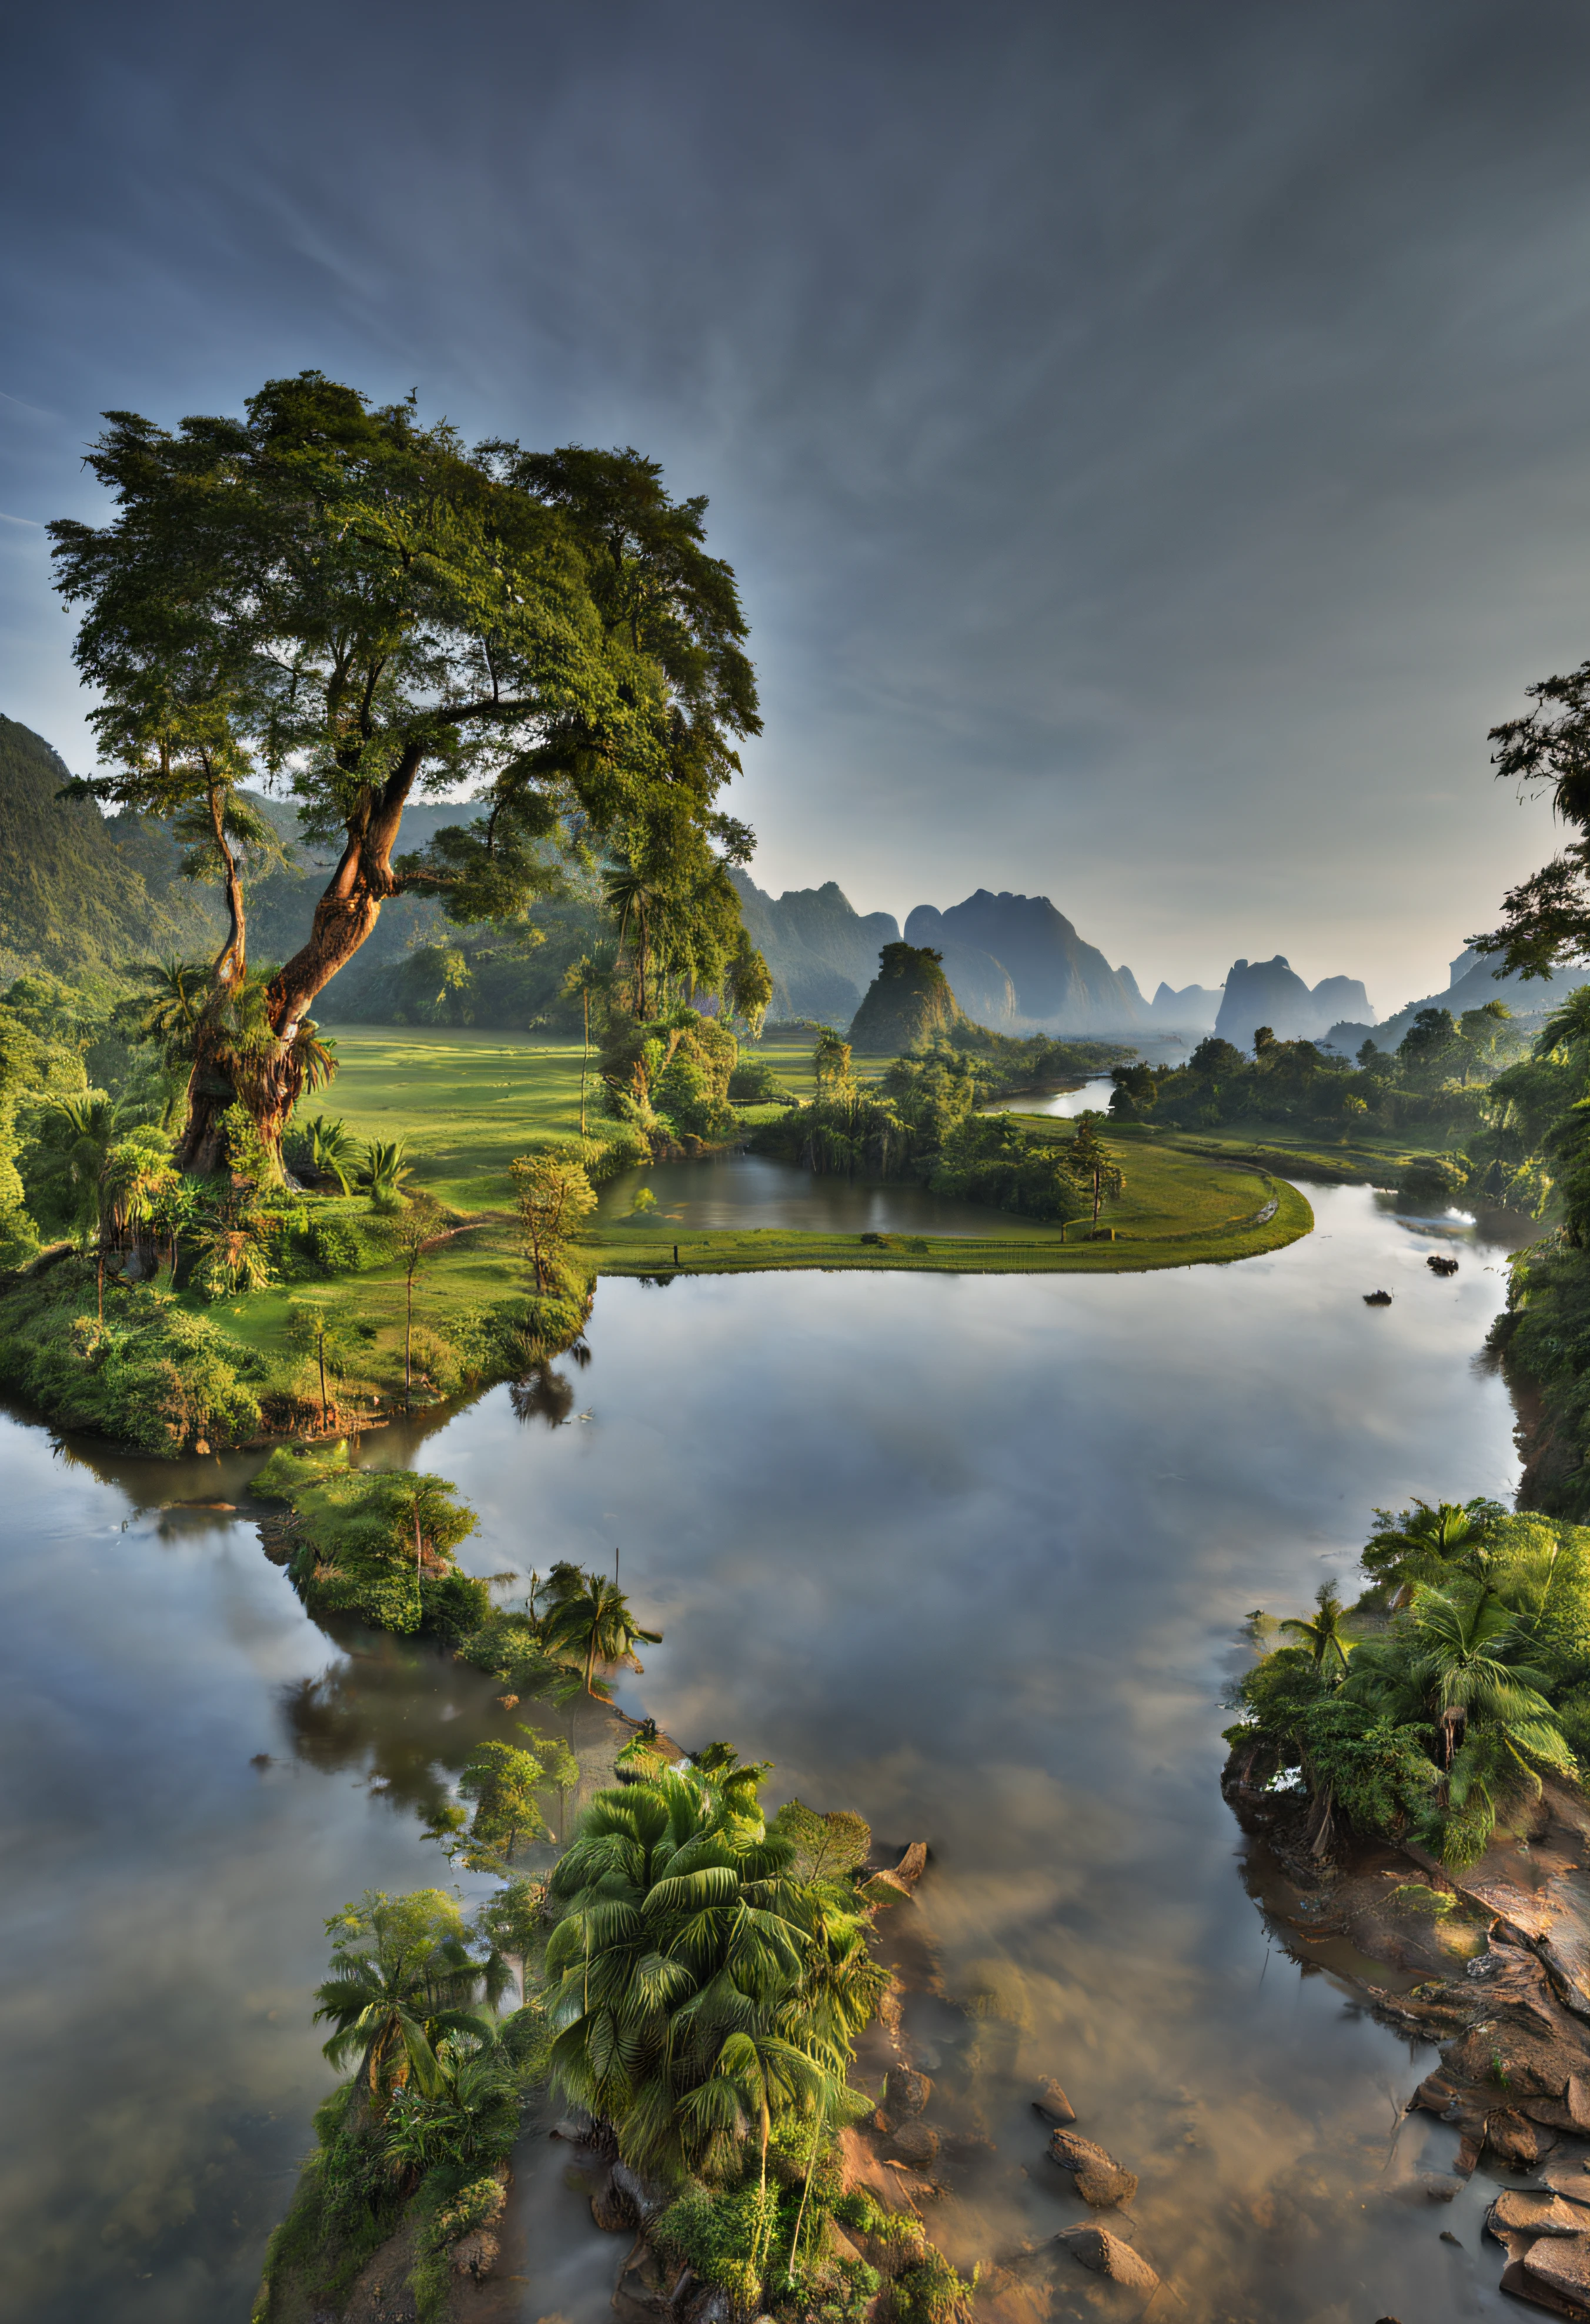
point(1153, 439)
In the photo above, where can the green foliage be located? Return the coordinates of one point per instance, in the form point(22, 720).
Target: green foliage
point(502, 1780)
point(378, 1544)
point(908, 1001)
point(826, 1847)
point(81, 893)
point(932, 2292)
point(722, 2235)
point(337, 1247)
point(554, 1196)
point(402, 1980)
point(383, 1171)
point(591, 1621)
point(988, 1159)
point(507, 1645)
point(755, 1081)
point(670, 1074)
point(920, 1122)
point(153, 1376)
point(1443, 1722)
point(1420, 1544)
point(468, 2117)
point(697, 1985)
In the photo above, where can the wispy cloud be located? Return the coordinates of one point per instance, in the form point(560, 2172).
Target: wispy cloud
point(1150, 439)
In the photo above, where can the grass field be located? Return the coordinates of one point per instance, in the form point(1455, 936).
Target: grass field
point(468, 1102)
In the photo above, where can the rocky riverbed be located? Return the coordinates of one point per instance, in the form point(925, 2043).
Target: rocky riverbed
point(1493, 1966)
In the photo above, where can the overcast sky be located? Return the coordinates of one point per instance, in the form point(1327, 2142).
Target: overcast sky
point(1154, 439)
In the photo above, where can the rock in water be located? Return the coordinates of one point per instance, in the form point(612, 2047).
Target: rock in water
point(1536, 2214)
point(906, 2091)
point(1054, 2101)
point(916, 2143)
point(1100, 2179)
point(1558, 2264)
point(1109, 2255)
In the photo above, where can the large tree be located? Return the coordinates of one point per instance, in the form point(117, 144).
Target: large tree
point(332, 597)
point(1545, 920)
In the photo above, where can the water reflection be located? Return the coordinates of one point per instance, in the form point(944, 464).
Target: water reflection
point(1081, 1097)
point(968, 1553)
point(754, 1190)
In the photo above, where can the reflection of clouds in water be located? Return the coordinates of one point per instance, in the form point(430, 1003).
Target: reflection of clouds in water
point(966, 1554)
point(971, 1555)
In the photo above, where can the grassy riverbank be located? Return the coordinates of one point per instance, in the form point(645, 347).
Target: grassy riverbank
point(166, 1370)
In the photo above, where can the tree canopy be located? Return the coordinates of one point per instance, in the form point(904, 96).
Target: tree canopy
point(353, 604)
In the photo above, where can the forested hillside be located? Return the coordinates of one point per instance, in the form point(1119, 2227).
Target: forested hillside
point(81, 896)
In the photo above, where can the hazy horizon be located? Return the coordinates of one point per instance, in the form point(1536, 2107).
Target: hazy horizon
point(1151, 442)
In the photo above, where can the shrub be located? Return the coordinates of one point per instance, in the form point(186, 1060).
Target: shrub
point(337, 1247)
point(754, 1082)
point(355, 1551)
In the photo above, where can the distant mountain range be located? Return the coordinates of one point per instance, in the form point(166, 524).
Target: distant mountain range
point(1472, 981)
point(83, 894)
point(1013, 963)
point(1272, 992)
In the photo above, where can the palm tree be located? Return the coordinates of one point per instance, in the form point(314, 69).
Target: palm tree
point(1456, 1657)
point(469, 2114)
point(332, 1151)
point(594, 1621)
point(385, 1169)
point(1325, 1635)
point(75, 1135)
point(630, 893)
point(135, 1182)
point(1426, 1543)
point(403, 1977)
point(830, 1059)
point(682, 1972)
point(178, 991)
point(591, 974)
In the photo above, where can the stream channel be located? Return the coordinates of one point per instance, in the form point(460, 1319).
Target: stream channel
point(972, 1554)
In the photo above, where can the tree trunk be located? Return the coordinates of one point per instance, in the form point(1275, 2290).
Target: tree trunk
point(210, 1086)
point(268, 1086)
point(585, 1060)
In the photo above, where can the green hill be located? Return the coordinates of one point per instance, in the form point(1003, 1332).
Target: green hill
point(907, 1002)
point(81, 895)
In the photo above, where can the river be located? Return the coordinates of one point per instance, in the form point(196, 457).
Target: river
point(970, 1554)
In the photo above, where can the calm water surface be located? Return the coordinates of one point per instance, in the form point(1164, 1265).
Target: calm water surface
point(970, 1555)
point(755, 1190)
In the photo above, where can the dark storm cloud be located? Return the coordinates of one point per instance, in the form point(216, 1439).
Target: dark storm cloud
point(1152, 439)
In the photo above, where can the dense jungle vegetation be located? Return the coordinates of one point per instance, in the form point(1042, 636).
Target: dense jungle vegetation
point(1432, 1709)
point(1473, 1085)
point(691, 1972)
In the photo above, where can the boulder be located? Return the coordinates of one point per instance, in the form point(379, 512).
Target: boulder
point(1561, 2264)
point(1526, 2213)
point(1053, 2101)
point(905, 2092)
point(1100, 2179)
point(1516, 2141)
point(916, 2143)
point(614, 2209)
point(1109, 2255)
point(645, 2290)
point(1568, 2175)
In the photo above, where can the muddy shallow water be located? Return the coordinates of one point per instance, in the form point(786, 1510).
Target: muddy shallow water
point(970, 1554)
